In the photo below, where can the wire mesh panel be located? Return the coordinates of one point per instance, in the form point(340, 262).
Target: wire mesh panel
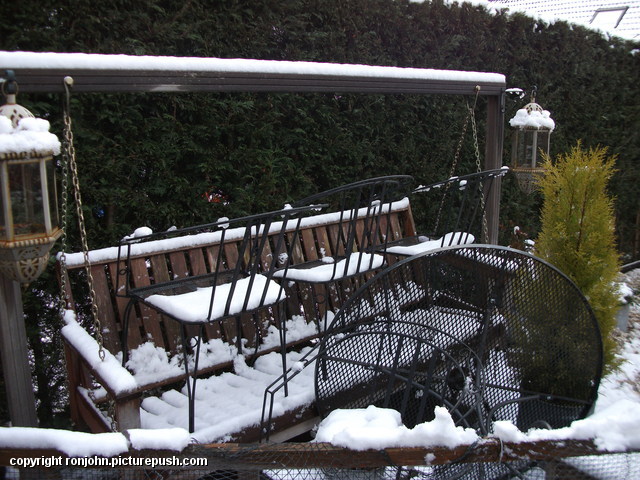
point(490, 333)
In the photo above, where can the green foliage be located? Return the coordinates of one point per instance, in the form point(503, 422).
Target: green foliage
point(554, 353)
point(151, 158)
point(577, 233)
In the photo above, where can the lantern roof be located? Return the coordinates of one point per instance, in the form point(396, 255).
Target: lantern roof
point(30, 136)
point(533, 116)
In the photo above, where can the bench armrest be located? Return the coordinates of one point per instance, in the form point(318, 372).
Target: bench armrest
point(109, 372)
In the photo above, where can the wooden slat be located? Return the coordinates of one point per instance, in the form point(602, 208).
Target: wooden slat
point(120, 302)
point(210, 257)
point(229, 326)
point(304, 250)
point(110, 329)
point(73, 364)
point(179, 269)
point(160, 272)
point(325, 244)
point(150, 320)
point(178, 264)
point(408, 223)
point(196, 260)
point(90, 417)
point(394, 226)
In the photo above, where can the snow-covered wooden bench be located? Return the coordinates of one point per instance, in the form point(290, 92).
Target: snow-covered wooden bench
point(104, 395)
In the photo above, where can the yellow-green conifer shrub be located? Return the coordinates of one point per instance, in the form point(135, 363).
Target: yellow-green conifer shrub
point(577, 231)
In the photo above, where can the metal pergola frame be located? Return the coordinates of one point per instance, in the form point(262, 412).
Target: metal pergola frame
point(94, 73)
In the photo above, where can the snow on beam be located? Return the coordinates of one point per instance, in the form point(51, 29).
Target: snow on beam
point(43, 72)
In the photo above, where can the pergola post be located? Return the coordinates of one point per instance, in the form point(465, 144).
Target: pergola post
point(15, 355)
point(493, 159)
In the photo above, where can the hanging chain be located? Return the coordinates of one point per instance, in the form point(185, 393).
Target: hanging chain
point(474, 130)
point(470, 116)
point(64, 299)
point(69, 159)
point(456, 156)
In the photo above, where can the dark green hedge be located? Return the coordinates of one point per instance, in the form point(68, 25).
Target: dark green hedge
point(152, 158)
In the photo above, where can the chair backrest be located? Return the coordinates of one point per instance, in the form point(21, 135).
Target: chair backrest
point(241, 258)
point(453, 210)
point(514, 340)
point(362, 227)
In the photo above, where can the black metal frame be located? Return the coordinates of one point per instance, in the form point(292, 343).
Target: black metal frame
point(457, 209)
point(261, 245)
point(359, 238)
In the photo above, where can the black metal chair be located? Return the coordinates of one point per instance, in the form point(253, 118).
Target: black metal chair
point(490, 333)
point(353, 243)
point(243, 254)
point(450, 212)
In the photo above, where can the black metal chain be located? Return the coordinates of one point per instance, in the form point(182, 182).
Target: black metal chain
point(70, 167)
point(456, 157)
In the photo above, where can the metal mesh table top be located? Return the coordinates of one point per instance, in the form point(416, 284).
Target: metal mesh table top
point(488, 332)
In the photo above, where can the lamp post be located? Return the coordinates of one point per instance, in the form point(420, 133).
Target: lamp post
point(530, 141)
point(28, 230)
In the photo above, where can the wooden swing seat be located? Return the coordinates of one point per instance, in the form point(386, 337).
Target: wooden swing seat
point(105, 395)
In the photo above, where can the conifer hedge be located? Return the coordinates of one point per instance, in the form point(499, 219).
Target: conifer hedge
point(157, 159)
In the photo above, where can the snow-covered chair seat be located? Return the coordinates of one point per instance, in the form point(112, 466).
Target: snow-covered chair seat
point(424, 245)
point(239, 280)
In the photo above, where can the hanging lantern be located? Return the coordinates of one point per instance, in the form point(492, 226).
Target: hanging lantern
point(531, 140)
point(28, 200)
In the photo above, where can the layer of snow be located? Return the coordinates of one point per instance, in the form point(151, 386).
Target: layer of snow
point(354, 264)
point(71, 61)
point(616, 428)
point(185, 241)
point(452, 238)
point(31, 135)
point(81, 444)
point(111, 370)
point(232, 401)
point(74, 444)
point(169, 439)
point(533, 119)
point(377, 428)
point(248, 294)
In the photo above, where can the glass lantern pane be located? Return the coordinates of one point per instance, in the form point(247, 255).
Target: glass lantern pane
point(4, 231)
point(530, 147)
point(53, 194)
point(543, 143)
point(25, 187)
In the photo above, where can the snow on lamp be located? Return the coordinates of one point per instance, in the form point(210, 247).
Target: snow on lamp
point(531, 140)
point(28, 211)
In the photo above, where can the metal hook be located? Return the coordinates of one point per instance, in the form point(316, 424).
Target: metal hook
point(68, 83)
